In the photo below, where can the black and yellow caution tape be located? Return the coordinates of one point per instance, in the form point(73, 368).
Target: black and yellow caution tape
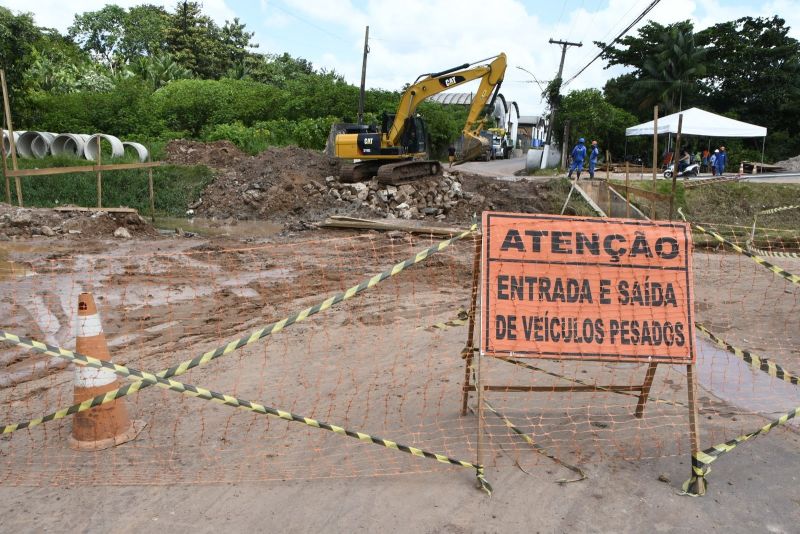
point(702, 460)
point(779, 209)
point(755, 361)
point(144, 377)
point(538, 448)
point(244, 341)
point(461, 319)
point(793, 278)
point(770, 253)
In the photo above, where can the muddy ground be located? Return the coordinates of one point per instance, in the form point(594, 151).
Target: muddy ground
point(375, 365)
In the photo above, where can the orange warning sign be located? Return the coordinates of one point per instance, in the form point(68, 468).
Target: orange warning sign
point(586, 288)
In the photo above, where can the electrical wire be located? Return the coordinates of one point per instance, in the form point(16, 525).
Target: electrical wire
point(649, 8)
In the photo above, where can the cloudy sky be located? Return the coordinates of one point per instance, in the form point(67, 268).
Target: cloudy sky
point(410, 37)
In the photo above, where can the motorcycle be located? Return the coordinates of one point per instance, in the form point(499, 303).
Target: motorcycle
point(691, 170)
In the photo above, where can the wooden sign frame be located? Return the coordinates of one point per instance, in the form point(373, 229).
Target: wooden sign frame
point(475, 379)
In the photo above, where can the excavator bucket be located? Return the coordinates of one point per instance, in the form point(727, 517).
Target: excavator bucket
point(474, 147)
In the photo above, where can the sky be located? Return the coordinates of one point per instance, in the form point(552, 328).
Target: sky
point(412, 37)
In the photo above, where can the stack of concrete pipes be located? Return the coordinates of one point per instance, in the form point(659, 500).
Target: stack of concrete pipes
point(32, 144)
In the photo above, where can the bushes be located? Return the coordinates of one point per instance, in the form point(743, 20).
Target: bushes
point(305, 133)
point(195, 104)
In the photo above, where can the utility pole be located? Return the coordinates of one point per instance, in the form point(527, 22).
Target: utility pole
point(363, 78)
point(564, 45)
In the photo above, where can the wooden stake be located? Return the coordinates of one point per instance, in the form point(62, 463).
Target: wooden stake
point(10, 126)
point(627, 192)
point(150, 191)
point(5, 171)
point(99, 174)
point(675, 165)
point(469, 351)
point(694, 430)
point(645, 393)
point(608, 165)
point(655, 159)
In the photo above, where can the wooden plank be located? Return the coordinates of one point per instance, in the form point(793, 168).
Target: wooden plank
point(109, 210)
point(10, 127)
point(83, 168)
point(368, 224)
point(644, 193)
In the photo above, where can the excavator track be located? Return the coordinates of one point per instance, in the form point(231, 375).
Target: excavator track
point(358, 172)
point(405, 171)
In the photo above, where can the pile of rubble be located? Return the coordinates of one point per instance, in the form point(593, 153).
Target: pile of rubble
point(433, 197)
point(28, 222)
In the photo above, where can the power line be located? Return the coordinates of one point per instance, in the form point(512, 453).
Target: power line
point(653, 4)
point(301, 19)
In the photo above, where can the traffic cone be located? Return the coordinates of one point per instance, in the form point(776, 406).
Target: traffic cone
point(106, 425)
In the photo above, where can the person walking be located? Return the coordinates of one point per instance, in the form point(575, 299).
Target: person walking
point(451, 155)
point(593, 155)
point(712, 161)
point(578, 155)
point(722, 159)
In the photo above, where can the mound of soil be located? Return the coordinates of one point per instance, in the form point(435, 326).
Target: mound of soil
point(273, 185)
point(217, 155)
point(26, 222)
point(791, 164)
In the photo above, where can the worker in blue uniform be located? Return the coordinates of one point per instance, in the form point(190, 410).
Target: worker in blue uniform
point(593, 155)
point(578, 155)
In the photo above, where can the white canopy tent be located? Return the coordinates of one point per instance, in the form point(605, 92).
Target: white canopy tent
point(699, 122)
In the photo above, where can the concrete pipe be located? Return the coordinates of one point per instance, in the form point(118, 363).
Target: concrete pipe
point(68, 144)
point(7, 141)
point(141, 152)
point(90, 149)
point(24, 144)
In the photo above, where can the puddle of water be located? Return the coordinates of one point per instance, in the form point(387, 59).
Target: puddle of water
point(211, 228)
point(732, 380)
point(11, 269)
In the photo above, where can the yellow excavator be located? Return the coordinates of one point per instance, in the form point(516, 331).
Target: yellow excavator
point(397, 152)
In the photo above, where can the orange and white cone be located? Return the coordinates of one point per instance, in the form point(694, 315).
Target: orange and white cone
point(105, 425)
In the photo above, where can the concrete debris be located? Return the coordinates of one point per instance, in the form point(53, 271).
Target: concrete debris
point(122, 233)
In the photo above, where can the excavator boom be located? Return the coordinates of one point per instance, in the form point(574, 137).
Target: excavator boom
point(402, 140)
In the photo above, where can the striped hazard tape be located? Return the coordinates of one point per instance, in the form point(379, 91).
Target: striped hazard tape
point(538, 448)
point(757, 362)
point(461, 319)
point(206, 394)
point(770, 253)
point(702, 460)
point(779, 209)
point(793, 278)
point(224, 350)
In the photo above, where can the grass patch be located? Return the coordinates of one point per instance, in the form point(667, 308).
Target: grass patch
point(175, 186)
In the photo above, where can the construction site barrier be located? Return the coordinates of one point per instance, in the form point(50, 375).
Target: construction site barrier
point(376, 365)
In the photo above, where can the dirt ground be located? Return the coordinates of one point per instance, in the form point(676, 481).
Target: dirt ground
point(372, 364)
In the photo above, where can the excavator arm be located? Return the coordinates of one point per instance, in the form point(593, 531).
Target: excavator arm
point(490, 74)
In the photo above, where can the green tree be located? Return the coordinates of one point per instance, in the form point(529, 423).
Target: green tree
point(18, 34)
point(158, 70)
point(198, 44)
point(590, 116)
point(145, 27)
point(100, 33)
point(755, 76)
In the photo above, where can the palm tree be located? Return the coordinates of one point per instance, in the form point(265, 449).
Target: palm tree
point(678, 65)
point(159, 70)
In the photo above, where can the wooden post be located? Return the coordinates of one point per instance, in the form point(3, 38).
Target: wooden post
point(627, 192)
point(675, 165)
point(469, 351)
point(608, 165)
point(5, 171)
point(10, 126)
point(645, 393)
point(694, 431)
point(655, 159)
point(479, 386)
point(99, 174)
point(150, 191)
